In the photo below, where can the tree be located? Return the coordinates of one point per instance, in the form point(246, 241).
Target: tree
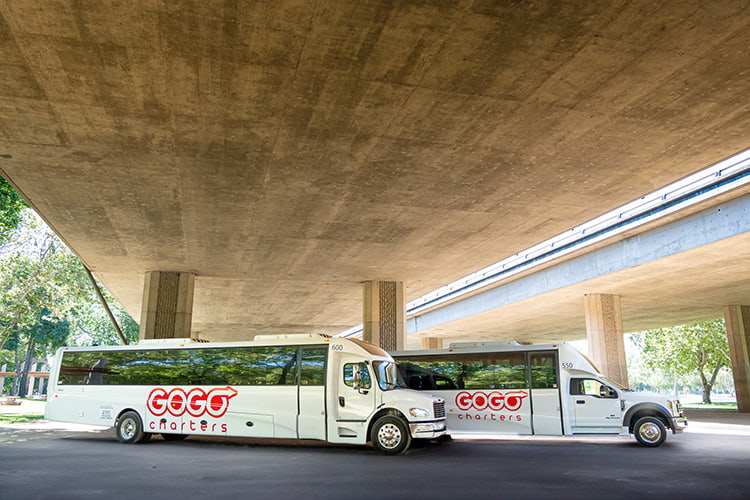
point(47, 300)
point(700, 348)
point(37, 271)
point(46, 334)
point(11, 206)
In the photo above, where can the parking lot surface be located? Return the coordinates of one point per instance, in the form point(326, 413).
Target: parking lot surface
point(56, 461)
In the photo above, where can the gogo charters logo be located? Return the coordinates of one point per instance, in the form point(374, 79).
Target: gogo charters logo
point(495, 401)
point(195, 402)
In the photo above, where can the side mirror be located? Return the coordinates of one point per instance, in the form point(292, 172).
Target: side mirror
point(355, 376)
point(607, 392)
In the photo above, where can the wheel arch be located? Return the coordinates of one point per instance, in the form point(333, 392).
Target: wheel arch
point(385, 411)
point(648, 409)
point(125, 410)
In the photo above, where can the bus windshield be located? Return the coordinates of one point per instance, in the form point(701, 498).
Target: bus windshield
point(387, 375)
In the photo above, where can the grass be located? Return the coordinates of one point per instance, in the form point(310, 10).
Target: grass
point(712, 406)
point(18, 419)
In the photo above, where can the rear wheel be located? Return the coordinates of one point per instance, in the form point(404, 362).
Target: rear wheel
point(390, 435)
point(130, 428)
point(650, 431)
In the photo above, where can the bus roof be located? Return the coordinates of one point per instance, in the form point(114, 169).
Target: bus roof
point(259, 340)
point(481, 347)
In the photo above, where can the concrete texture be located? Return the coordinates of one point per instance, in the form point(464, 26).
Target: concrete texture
point(287, 151)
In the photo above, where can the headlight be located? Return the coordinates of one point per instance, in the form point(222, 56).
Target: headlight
point(419, 412)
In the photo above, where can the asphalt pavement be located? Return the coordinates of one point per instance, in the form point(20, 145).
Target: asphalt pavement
point(45, 460)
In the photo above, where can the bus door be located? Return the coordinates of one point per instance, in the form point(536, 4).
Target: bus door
point(311, 418)
point(597, 407)
point(355, 398)
point(545, 393)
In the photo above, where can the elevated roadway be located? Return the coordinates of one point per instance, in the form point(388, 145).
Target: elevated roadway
point(285, 152)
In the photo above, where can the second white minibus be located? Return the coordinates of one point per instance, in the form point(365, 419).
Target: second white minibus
point(302, 386)
point(509, 388)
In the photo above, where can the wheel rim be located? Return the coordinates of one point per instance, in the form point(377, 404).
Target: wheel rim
point(128, 428)
point(389, 436)
point(650, 432)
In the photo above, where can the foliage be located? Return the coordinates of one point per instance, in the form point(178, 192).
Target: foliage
point(11, 206)
point(90, 324)
point(699, 348)
point(47, 300)
point(37, 271)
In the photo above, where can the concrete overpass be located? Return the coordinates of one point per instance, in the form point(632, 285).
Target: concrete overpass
point(280, 154)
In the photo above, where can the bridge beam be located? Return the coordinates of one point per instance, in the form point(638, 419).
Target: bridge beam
point(384, 314)
point(167, 309)
point(737, 319)
point(605, 335)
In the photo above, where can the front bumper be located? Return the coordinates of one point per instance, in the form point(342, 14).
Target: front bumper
point(428, 430)
point(679, 424)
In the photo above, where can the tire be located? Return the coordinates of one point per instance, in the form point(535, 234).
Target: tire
point(173, 437)
point(650, 431)
point(390, 435)
point(129, 428)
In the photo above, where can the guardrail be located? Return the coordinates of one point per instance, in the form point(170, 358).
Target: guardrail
point(719, 178)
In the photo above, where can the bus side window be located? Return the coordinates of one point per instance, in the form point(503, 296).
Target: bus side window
point(364, 375)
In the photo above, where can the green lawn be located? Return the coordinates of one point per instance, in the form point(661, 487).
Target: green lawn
point(17, 419)
point(712, 406)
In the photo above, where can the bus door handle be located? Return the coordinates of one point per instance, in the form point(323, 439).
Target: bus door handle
point(580, 401)
point(342, 401)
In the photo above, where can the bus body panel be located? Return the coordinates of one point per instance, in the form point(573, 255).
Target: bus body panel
point(307, 397)
point(566, 393)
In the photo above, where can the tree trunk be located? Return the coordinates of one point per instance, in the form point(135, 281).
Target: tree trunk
point(706, 388)
point(17, 378)
point(23, 376)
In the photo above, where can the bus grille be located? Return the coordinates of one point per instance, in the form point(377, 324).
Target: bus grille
point(439, 408)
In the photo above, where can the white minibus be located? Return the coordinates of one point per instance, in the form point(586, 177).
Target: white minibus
point(302, 386)
point(509, 388)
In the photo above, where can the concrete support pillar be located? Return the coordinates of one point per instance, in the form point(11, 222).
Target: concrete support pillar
point(737, 319)
point(432, 343)
point(605, 335)
point(167, 309)
point(384, 314)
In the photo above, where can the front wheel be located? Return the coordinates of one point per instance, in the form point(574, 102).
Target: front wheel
point(130, 428)
point(650, 431)
point(390, 435)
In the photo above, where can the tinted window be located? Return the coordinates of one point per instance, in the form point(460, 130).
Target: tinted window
point(313, 366)
point(361, 372)
point(163, 367)
point(543, 367)
point(273, 365)
point(473, 371)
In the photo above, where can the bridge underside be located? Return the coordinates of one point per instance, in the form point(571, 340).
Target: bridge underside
point(285, 152)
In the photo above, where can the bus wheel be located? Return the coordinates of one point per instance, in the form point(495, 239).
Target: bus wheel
point(173, 437)
point(650, 431)
point(130, 428)
point(390, 435)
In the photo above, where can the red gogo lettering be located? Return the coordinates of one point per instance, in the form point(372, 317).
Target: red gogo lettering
point(495, 401)
point(196, 402)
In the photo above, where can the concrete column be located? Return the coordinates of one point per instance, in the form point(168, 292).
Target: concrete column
point(605, 335)
point(432, 343)
point(737, 319)
point(384, 314)
point(167, 309)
